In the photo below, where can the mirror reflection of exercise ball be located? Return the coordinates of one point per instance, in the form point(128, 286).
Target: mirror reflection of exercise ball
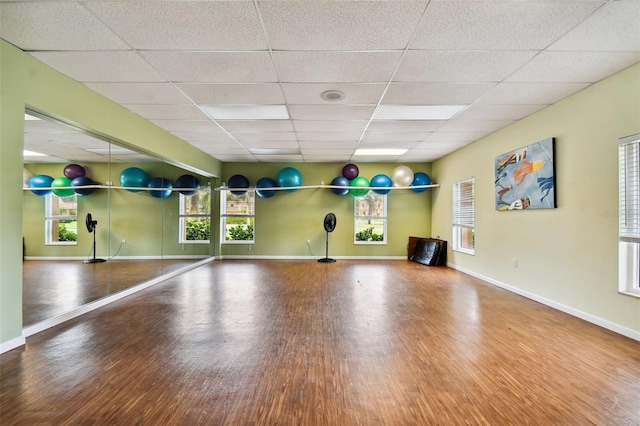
point(58, 184)
point(40, 181)
point(240, 182)
point(187, 181)
point(263, 185)
point(420, 179)
point(340, 181)
point(289, 177)
point(82, 181)
point(73, 171)
point(134, 177)
point(164, 185)
point(402, 176)
point(359, 186)
point(381, 181)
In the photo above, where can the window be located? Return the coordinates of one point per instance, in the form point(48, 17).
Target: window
point(370, 219)
point(629, 215)
point(463, 216)
point(237, 216)
point(61, 220)
point(195, 216)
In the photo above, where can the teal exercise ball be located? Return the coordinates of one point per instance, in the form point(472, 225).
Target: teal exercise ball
point(359, 186)
point(40, 181)
point(289, 177)
point(134, 177)
point(381, 181)
point(164, 187)
point(263, 185)
point(419, 179)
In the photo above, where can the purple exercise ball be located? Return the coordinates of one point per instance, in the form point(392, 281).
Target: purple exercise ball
point(350, 171)
point(73, 171)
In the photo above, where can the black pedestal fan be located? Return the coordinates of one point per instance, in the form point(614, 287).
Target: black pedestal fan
point(329, 226)
point(91, 227)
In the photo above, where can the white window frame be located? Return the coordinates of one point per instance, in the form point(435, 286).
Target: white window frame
point(224, 215)
point(629, 215)
point(183, 216)
point(52, 218)
point(464, 215)
point(357, 217)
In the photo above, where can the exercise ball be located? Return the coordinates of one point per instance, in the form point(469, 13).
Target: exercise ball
point(289, 177)
point(26, 177)
point(187, 181)
point(340, 181)
point(82, 181)
point(350, 171)
point(165, 187)
point(238, 181)
point(40, 181)
point(263, 185)
point(73, 171)
point(420, 179)
point(381, 181)
point(359, 186)
point(134, 177)
point(60, 182)
point(402, 176)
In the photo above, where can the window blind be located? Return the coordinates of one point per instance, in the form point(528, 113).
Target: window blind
point(629, 192)
point(463, 209)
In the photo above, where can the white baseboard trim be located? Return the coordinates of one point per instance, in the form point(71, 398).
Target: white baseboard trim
point(632, 334)
point(265, 257)
point(168, 257)
point(59, 319)
point(12, 344)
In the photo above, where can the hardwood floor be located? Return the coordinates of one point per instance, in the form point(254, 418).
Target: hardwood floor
point(305, 343)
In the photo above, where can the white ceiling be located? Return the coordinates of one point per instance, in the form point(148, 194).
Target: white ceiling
point(164, 60)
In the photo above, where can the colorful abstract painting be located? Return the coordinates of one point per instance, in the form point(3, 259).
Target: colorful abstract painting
point(525, 178)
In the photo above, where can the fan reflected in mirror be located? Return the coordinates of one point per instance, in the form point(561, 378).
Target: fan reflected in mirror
point(329, 225)
point(91, 227)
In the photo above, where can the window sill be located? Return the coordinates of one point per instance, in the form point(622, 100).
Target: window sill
point(465, 251)
point(195, 242)
point(630, 293)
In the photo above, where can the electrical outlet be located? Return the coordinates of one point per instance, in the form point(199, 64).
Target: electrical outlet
point(515, 263)
point(308, 242)
point(124, 242)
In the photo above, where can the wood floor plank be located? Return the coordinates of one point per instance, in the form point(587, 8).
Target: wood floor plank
point(238, 342)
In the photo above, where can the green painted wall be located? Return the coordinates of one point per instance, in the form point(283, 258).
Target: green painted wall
point(27, 83)
point(567, 255)
point(285, 221)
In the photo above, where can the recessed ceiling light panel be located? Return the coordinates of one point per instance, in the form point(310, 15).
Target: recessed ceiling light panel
point(380, 151)
point(247, 112)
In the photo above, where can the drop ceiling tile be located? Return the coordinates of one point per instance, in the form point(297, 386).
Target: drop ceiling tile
point(455, 137)
point(249, 126)
point(498, 112)
point(434, 93)
point(264, 136)
point(139, 93)
point(167, 112)
point(309, 93)
point(213, 67)
point(578, 67)
point(269, 93)
point(55, 26)
point(340, 25)
point(377, 137)
point(97, 66)
point(329, 136)
point(613, 27)
point(326, 152)
point(191, 126)
point(174, 25)
point(530, 93)
point(287, 158)
point(335, 67)
point(423, 156)
point(196, 137)
point(270, 144)
point(326, 158)
point(498, 25)
point(330, 112)
point(390, 144)
point(405, 126)
point(233, 158)
point(327, 145)
point(329, 126)
point(375, 158)
point(226, 146)
point(459, 125)
point(484, 66)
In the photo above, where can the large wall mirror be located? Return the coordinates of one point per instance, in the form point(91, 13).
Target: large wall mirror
point(143, 229)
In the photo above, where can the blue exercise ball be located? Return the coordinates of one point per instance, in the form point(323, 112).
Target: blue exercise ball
point(340, 181)
point(82, 181)
point(263, 185)
point(165, 187)
point(134, 177)
point(40, 181)
point(420, 179)
point(238, 181)
point(187, 181)
point(289, 177)
point(381, 181)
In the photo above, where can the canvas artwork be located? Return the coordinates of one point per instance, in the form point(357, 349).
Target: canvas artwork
point(525, 178)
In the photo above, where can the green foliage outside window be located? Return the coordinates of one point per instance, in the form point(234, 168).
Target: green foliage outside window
point(66, 235)
point(369, 235)
point(240, 233)
point(197, 229)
